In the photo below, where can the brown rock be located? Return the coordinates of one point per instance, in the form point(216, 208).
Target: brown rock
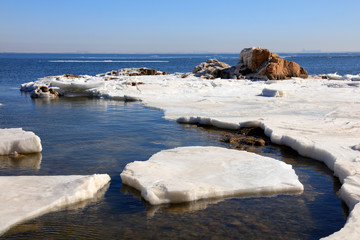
point(279, 68)
point(252, 141)
point(259, 56)
point(261, 63)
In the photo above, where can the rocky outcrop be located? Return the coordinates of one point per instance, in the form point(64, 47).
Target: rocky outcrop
point(211, 69)
point(253, 58)
point(44, 91)
point(279, 68)
point(134, 72)
point(261, 63)
point(253, 62)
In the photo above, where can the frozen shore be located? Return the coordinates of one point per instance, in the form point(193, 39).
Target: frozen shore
point(26, 197)
point(319, 118)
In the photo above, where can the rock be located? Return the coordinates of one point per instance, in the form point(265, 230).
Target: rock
point(261, 63)
point(185, 75)
point(253, 58)
point(279, 68)
point(135, 72)
point(44, 91)
point(70, 76)
point(135, 83)
point(252, 141)
point(240, 141)
point(211, 69)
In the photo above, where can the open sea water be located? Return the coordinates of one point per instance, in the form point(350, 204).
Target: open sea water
point(89, 135)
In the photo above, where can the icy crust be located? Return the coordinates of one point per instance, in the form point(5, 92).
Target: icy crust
point(26, 197)
point(16, 140)
point(319, 118)
point(192, 173)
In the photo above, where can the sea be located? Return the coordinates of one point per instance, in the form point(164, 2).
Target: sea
point(93, 135)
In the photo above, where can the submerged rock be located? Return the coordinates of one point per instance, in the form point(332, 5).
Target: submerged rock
point(245, 138)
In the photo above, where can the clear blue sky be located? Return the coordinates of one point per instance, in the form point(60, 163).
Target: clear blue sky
point(163, 26)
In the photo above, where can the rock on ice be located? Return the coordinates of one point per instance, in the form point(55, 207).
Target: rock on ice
point(25, 197)
point(16, 140)
point(192, 173)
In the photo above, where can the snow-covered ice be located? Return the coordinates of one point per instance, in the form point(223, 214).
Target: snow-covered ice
point(26, 197)
point(16, 140)
point(192, 173)
point(319, 118)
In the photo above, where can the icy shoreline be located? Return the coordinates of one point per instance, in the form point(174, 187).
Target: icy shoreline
point(319, 118)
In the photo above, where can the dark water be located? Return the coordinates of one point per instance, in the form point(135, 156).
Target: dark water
point(86, 136)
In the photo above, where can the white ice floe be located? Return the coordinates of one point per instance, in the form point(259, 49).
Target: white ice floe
point(192, 173)
point(266, 92)
point(334, 76)
point(320, 118)
point(26, 197)
point(352, 77)
point(16, 140)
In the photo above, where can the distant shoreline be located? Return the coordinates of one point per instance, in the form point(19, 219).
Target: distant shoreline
point(192, 53)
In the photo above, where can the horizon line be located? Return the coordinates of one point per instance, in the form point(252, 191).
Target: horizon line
point(200, 52)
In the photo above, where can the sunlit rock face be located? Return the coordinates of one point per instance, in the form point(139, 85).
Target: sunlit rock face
point(253, 62)
point(257, 62)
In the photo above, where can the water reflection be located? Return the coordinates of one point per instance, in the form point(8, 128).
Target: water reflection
point(21, 161)
point(192, 206)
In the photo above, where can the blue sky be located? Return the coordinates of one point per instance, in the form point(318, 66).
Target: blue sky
point(159, 26)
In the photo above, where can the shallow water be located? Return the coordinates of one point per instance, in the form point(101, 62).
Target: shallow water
point(86, 136)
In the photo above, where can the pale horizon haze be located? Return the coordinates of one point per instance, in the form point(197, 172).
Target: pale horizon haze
point(159, 26)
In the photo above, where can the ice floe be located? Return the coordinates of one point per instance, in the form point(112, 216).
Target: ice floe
point(16, 140)
point(319, 118)
point(192, 173)
point(26, 197)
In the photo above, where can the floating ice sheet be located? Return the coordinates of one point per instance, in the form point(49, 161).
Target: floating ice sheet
point(16, 140)
point(26, 197)
point(193, 173)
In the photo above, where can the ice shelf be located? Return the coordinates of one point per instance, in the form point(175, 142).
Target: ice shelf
point(16, 140)
point(192, 173)
point(26, 197)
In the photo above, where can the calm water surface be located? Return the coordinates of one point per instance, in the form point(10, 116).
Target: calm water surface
point(86, 136)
